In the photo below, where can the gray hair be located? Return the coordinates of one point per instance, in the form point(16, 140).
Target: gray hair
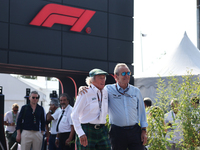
point(116, 70)
point(55, 102)
point(89, 80)
point(34, 92)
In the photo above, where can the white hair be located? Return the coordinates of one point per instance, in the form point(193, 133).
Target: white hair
point(116, 70)
point(89, 80)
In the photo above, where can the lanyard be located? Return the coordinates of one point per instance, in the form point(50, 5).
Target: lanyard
point(14, 117)
point(124, 93)
point(100, 100)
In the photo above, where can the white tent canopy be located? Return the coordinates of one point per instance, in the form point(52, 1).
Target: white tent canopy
point(14, 91)
point(185, 58)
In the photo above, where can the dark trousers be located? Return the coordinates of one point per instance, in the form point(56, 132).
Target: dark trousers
point(44, 143)
point(10, 141)
point(129, 137)
point(52, 145)
point(62, 138)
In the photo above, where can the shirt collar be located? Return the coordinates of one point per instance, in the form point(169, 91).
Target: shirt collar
point(121, 89)
point(66, 108)
point(57, 109)
point(95, 88)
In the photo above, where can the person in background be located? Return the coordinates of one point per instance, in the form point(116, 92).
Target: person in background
point(10, 121)
point(64, 127)
point(195, 119)
point(89, 114)
point(156, 129)
point(173, 126)
point(147, 104)
point(33, 126)
point(195, 102)
point(52, 117)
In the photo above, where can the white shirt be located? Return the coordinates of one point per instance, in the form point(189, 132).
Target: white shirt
point(9, 118)
point(66, 121)
point(87, 109)
point(195, 121)
point(177, 130)
point(55, 116)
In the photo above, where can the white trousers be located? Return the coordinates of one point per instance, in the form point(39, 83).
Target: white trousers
point(31, 139)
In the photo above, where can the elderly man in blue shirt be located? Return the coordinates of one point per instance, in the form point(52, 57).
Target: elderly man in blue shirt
point(126, 111)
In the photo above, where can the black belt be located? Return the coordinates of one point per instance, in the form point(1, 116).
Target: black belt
point(53, 134)
point(64, 133)
point(125, 127)
point(95, 126)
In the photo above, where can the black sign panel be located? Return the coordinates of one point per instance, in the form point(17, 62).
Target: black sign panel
point(57, 47)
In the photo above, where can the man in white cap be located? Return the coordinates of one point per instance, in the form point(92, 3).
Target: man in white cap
point(89, 114)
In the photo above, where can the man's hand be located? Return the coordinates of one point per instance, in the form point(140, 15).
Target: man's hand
point(82, 90)
point(144, 137)
point(67, 142)
point(47, 134)
point(18, 137)
point(12, 124)
point(57, 143)
point(83, 140)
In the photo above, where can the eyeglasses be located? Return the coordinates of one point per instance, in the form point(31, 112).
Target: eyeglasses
point(124, 73)
point(15, 110)
point(35, 97)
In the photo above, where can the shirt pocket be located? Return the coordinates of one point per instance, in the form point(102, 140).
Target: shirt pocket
point(94, 107)
point(133, 103)
point(64, 119)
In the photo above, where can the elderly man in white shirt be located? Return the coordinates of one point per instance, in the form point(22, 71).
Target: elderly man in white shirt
point(174, 126)
point(89, 114)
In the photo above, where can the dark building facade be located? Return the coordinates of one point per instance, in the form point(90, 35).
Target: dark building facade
point(65, 38)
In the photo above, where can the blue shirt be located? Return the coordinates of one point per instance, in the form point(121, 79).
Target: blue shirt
point(125, 109)
point(29, 123)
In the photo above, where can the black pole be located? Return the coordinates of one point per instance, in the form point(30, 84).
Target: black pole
point(2, 133)
point(27, 95)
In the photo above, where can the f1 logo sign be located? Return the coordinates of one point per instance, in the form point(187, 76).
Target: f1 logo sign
point(55, 13)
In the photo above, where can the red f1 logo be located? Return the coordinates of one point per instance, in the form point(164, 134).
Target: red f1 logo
point(54, 13)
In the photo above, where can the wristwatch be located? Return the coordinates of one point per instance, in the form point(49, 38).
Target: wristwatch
point(57, 138)
point(144, 129)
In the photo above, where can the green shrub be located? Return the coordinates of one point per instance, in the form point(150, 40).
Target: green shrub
point(183, 89)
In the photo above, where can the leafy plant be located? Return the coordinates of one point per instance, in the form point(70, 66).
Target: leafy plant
point(183, 89)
